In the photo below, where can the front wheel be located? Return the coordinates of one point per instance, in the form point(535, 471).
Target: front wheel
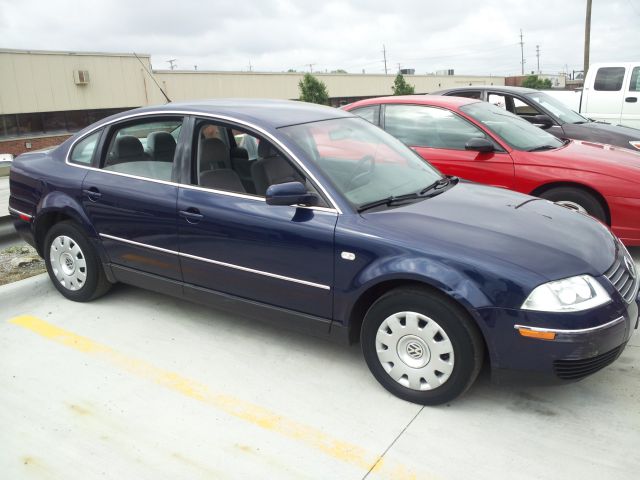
point(576, 199)
point(421, 346)
point(72, 264)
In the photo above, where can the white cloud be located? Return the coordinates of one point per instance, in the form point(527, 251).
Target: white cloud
point(469, 36)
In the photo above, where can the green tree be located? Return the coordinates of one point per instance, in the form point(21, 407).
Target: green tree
point(313, 90)
point(401, 87)
point(532, 81)
point(340, 70)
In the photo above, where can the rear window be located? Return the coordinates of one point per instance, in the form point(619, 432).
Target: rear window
point(609, 79)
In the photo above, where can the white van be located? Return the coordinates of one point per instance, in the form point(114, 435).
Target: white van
point(612, 93)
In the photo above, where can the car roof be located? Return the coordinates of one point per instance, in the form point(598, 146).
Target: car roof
point(264, 112)
point(433, 100)
point(495, 88)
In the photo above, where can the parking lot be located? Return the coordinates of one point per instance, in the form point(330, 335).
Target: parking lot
point(139, 385)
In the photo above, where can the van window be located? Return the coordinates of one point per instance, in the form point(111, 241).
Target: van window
point(634, 85)
point(609, 79)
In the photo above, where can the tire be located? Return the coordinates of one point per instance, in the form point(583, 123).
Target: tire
point(576, 199)
point(72, 263)
point(430, 360)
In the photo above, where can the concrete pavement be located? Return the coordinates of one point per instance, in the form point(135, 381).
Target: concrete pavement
point(139, 385)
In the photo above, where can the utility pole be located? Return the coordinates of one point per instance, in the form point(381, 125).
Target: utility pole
point(195, 67)
point(538, 55)
point(521, 52)
point(311, 67)
point(384, 54)
point(587, 39)
point(172, 63)
point(399, 68)
point(250, 67)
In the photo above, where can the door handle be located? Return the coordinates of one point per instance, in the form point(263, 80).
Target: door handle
point(191, 215)
point(92, 193)
point(631, 99)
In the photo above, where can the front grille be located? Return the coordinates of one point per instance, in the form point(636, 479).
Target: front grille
point(622, 277)
point(577, 369)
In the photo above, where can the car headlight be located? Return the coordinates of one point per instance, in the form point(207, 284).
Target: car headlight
point(569, 295)
point(635, 143)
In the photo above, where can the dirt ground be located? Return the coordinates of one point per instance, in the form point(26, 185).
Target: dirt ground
point(18, 262)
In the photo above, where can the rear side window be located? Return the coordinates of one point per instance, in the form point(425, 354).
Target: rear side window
point(467, 94)
point(83, 151)
point(370, 114)
point(144, 149)
point(609, 79)
point(635, 80)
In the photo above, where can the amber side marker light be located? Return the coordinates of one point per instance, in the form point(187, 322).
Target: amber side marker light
point(525, 332)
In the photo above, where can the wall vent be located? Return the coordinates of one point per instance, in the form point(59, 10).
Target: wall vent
point(81, 77)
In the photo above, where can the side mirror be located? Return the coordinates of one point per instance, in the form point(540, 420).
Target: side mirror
point(542, 121)
point(290, 193)
point(479, 145)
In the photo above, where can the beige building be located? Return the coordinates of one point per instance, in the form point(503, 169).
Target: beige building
point(45, 95)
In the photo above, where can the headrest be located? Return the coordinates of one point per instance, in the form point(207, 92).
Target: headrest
point(128, 146)
point(266, 150)
point(161, 142)
point(214, 149)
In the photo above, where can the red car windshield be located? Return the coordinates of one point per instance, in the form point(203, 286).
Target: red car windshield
point(517, 132)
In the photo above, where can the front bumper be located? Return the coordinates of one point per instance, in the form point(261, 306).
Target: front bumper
point(582, 344)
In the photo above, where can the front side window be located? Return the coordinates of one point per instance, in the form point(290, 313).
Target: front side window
point(423, 126)
point(609, 79)
point(556, 107)
point(144, 149)
point(363, 162)
point(517, 132)
point(83, 151)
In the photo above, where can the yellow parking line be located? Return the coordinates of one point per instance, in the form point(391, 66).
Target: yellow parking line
point(249, 412)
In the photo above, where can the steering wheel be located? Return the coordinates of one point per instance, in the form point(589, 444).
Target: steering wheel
point(358, 178)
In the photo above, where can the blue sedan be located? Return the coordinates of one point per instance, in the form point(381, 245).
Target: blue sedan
point(311, 217)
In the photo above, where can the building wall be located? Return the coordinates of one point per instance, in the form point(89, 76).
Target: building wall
point(189, 85)
point(43, 81)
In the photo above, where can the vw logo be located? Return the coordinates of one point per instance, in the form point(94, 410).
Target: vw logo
point(630, 266)
point(414, 350)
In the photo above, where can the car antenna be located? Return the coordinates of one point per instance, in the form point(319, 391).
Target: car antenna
point(152, 77)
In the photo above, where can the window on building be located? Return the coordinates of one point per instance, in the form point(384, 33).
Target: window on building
point(609, 79)
point(76, 120)
point(54, 122)
point(30, 124)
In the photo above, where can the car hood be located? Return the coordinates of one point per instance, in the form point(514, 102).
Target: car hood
point(600, 132)
point(608, 160)
point(535, 234)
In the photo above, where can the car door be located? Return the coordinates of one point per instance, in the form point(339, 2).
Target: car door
point(439, 136)
point(131, 199)
point(524, 108)
point(631, 106)
point(604, 99)
point(232, 242)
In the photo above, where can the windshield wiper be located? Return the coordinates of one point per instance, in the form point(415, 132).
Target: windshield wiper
point(432, 189)
point(388, 201)
point(542, 148)
point(438, 184)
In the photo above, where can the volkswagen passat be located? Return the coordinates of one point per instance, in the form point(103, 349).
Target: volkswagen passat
point(334, 227)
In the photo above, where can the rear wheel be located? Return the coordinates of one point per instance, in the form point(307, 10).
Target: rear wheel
point(421, 346)
point(576, 199)
point(72, 264)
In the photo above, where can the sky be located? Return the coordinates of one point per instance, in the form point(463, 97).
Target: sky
point(469, 36)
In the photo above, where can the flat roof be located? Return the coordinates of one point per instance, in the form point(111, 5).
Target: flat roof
point(69, 52)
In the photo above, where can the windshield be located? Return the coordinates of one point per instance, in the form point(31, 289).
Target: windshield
point(514, 130)
point(556, 107)
point(364, 163)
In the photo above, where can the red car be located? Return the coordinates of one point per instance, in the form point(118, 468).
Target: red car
point(483, 143)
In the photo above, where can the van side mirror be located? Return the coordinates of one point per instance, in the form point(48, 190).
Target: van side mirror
point(290, 193)
point(480, 145)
